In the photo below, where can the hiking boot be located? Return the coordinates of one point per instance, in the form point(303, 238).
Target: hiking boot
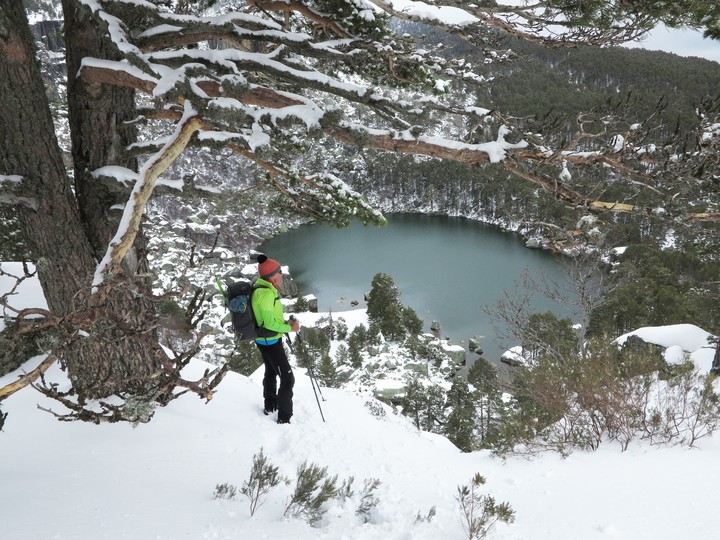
point(269, 409)
point(283, 420)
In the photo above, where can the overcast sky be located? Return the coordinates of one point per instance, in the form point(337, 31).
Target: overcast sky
point(682, 42)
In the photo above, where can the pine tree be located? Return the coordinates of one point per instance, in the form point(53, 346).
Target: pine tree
point(356, 343)
point(342, 355)
point(482, 375)
point(383, 296)
point(412, 322)
point(327, 373)
point(384, 308)
point(461, 422)
point(245, 358)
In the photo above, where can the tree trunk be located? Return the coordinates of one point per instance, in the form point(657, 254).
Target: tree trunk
point(102, 127)
point(50, 221)
point(116, 350)
point(122, 352)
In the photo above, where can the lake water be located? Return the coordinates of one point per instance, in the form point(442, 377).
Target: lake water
point(445, 268)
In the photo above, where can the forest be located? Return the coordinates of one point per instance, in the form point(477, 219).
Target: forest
point(229, 120)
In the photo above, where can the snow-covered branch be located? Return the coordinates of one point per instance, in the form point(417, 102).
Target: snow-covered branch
point(549, 22)
point(147, 177)
point(323, 197)
point(272, 73)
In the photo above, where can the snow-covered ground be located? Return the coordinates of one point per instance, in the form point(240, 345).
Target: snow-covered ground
point(156, 481)
point(81, 481)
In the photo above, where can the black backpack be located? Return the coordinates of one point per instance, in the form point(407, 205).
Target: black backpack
point(239, 302)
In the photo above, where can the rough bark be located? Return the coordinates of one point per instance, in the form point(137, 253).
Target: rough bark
point(102, 126)
point(121, 352)
point(116, 350)
point(28, 148)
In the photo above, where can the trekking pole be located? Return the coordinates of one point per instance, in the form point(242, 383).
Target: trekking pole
point(309, 367)
point(312, 373)
point(313, 381)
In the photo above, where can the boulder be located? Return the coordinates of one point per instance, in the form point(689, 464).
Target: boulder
point(533, 243)
point(474, 344)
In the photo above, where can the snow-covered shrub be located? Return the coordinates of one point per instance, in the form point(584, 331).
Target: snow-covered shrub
point(368, 499)
point(375, 408)
point(608, 395)
point(427, 518)
point(684, 410)
point(225, 491)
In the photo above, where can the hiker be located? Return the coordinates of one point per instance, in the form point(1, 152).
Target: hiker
point(268, 312)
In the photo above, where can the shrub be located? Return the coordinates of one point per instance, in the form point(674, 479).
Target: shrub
point(301, 304)
point(368, 500)
point(686, 409)
point(427, 518)
point(341, 329)
point(480, 512)
point(225, 491)
point(313, 489)
point(375, 408)
point(607, 395)
point(263, 477)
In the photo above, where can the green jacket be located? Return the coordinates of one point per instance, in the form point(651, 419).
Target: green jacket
point(269, 310)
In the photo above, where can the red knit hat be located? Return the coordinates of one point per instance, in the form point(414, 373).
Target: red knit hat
point(267, 268)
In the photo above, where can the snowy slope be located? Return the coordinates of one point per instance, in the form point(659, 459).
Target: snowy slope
point(79, 481)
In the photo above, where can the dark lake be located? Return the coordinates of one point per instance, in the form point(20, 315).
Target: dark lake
point(445, 268)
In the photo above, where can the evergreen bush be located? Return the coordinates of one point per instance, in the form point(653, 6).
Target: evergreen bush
point(313, 489)
point(480, 512)
point(225, 491)
point(341, 329)
point(368, 499)
point(301, 304)
point(263, 477)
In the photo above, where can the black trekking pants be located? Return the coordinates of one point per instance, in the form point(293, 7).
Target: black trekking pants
point(277, 365)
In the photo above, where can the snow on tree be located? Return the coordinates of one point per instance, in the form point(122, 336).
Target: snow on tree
point(261, 81)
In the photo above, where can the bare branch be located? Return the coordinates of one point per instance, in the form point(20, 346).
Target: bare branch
point(28, 378)
point(132, 216)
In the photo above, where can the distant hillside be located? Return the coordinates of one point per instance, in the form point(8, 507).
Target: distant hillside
point(570, 80)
